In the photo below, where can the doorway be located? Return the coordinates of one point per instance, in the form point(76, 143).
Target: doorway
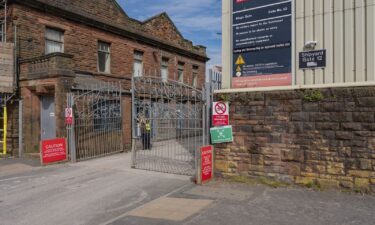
point(48, 118)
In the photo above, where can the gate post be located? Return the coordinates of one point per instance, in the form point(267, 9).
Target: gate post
point(70, 129)
point(133, 126)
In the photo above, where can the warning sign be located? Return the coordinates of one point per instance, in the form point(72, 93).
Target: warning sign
point(68, 116)
point(206, 160)
point(240, 60)
point(220, 114)
point(53, 151)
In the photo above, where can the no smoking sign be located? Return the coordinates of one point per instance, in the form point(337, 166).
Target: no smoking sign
point(220, 114)
point(68, 116)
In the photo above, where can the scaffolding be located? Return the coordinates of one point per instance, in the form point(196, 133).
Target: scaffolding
point(3, 20)
point(4, 98)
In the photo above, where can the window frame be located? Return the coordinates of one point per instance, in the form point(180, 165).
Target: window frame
point(60, 42)
point(195, 72)
point(107, 63)
point(138, 60)
point(180, 72)
point(164, 65)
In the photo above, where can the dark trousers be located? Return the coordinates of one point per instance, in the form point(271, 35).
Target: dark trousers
point(146, 140)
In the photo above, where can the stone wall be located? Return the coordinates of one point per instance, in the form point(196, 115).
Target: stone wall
point(310, 137)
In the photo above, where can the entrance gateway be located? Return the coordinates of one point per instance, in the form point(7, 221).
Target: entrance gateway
point(96, 129)
point(176, 114)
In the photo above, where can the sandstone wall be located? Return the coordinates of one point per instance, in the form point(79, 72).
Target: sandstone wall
point(323, 137)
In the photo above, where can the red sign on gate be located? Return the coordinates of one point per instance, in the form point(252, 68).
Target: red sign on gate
point(68, 116)
point(206, 163)
point(53, 151)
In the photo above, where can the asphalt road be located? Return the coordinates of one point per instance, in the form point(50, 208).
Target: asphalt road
point(90, 192)
point(107, 192)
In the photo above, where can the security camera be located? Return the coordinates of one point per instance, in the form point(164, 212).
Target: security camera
point(311, 44)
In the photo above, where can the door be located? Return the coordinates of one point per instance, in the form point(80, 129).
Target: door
point(48, 118)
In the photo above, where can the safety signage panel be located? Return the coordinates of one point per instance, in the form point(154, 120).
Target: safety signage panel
point(53, 151)
point(68, 116)
point(262, 43)
point(220, 114)
point(221, 134)
point(206, 163)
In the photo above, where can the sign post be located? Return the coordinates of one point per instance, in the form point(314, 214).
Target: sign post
point(220, 114)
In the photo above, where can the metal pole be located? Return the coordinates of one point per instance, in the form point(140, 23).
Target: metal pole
point(5, 20)
point(133, 126)
point(122, 118)
point(71, 136)
point(20, 129)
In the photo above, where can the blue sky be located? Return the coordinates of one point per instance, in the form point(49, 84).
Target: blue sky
point(197, 20)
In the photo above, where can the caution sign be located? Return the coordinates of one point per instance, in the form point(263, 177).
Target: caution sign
point(53, 151)
point(206, 163)
point(220, 114)
point(68, 116)
point(240, 60)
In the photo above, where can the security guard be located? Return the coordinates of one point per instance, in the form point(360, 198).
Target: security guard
point(146, 135)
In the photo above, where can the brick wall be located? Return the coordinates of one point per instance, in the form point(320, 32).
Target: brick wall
point(81, 41)
point(324, 137)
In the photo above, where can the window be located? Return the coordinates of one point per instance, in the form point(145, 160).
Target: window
point(104, 57)
point(181, 72)
point(164, 69)
point(195, 76)
point(54, 40)
point(138, 64)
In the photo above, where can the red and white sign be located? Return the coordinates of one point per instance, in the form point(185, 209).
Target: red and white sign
point(54, 151)
point(68, 116)
point(206, 160)
point(220, 114)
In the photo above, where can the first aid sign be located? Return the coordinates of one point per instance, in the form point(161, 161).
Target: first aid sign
point(220, 114)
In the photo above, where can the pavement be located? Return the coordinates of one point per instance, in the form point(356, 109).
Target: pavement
point(106, 191)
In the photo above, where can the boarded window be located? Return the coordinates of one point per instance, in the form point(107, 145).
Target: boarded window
point(138, 64)
point(54, 40)
point(104, 57)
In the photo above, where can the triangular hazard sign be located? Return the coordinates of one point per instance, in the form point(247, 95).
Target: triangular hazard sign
point(238, 69)
point(240, 60)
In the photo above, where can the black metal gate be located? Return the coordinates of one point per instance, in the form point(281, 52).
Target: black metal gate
point(168, 125)
point(97, 127)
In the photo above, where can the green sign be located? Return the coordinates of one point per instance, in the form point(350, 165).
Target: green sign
point(221, 134)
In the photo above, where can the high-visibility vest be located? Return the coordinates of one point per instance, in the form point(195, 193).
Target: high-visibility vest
point(148, 127)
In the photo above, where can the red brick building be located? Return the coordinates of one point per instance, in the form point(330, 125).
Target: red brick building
point(62, 42)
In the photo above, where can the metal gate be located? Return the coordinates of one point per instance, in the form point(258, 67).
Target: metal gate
point(97, 127)
point(175, 114)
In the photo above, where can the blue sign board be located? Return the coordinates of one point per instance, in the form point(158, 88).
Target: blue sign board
point(262, 43)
